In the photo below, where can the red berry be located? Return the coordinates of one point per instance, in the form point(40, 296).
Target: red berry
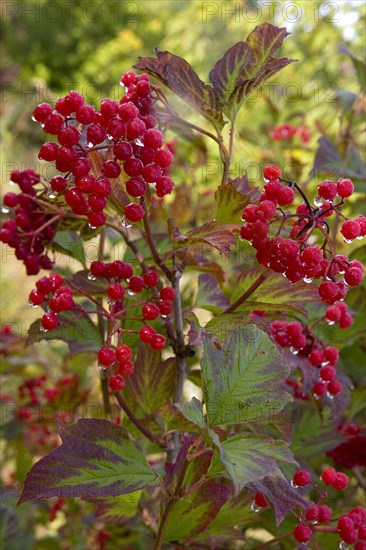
point(85, 114)
point(95, 133)
point(116, 291)
point(316, 358)
point(68, 136)
point(121, 270)
point(303, 533)
point(116, 382)
point(58, 184)
point(123, 353)
point(44, 285)
point(65, 301)
point(126, 369)
point(334, 387)
point(353, 276)
point(135, 128)
point(350, 230)
point(266, 210)
point(133, 167)
point(158, 342)
point(96, 202)
point(10, 199)
point(127, 111)
point(108, 107)
point(319, 388)
point(136, 284)
point(301, 478)
point(167, 293)
point(53, 123)
point(271, 172)
point(48, 151)
point(128, 78)
point(151, 172)
point(153, 138)
point(56, 280)
point(285, 196)
point(111, 169)
point(329, 292)
point(36, 297)
point(325, 514)
point(136, 187)
point(163, 158)
point(123, 150)
point(327, 190)
point(150, 312)
point(147, 334)
point(329, 475)
point(134, 212)
point(345, 188)
point(41, 112)
point(49, 321)
point(327, 373)
point(361, 220)
point(331, 354)
point(164, 186)
point(261, 500)
point(102, 187)
point(98, 268)
point(312, 513)
point(250, 213)
point(165, 307)
point(151, 278)
point(333, 313)
point(106, 356)
point(97, 219)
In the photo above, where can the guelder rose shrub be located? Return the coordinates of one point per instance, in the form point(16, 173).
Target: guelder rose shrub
point(198, 473)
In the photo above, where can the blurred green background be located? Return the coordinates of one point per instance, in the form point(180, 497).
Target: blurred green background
point(52, 46)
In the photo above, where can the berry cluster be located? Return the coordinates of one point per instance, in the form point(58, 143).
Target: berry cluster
point(302, 342)
point(121, 278)
point(352, 452)
point(352, 528)
point(58, 297)
point(124, 132)
point(287, 131)
point(31, 228)
point(297, 257)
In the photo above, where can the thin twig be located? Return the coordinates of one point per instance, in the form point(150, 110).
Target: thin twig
point(122, 403)
point(259, 280)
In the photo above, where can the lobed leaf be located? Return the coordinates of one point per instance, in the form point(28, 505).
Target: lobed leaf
point(96, 459)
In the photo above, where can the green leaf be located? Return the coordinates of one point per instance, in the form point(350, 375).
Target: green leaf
point(246, 65)
point(153, 381)
point(213, 234)
point(70, 243)
point(328, 161)
point(246, 458)
point(177, 74)
point(117, 508)
point(243, 381)
point(229, 203)
point(192, 411)
point(209, 296)
point(81, 334)
point(275, 292)
point(96, 459)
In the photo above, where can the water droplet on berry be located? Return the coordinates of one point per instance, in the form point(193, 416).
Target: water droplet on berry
point(110, 301)
point(319, 201)
point(130, 293)
point(42, 125)
point(125, 222)
point(42, 329)
point(91, 277)
point(164, 316)
point(51, 194)
point(254, 507)
point(314, 522)
point(330, 323)
point(344, 546)
point(11, 182)
point(92, 226)
point(5, 210)
point(31, 304)
point(293, 350)
point(89, 144)
point(241, 238)
point(33, 118)
point(329, 395)
point(360, 237)
point(348, 241)
point(293, 484)
point(139, 142)
point(308, 280)
point(102, 367)
point(324, 363)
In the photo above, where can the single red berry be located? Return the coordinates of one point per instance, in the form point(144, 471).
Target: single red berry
point(68, 136)
point(327, 190)
point(133, 167)
point(95, 133)
point(116, 292)
point(127, 111)
point(316, 358)
point(327, 373)
point(261, 500)
point(158, 342)
point(108, 107)
point(271, 172)
point(96, 202)
point(151, 278)
point(123, 150)
point(66, 302)
point(126, 369)
point(128, 78)
point(285, 196)
point(303, 533)
point(250, 213)
point(350, 230)
point(41, 112)
point(345, 188)
point(134, 212)
point(102, 187)
point(319, 388)
point(58, 184)
point(331, 354)
point(312, 513)
point(301, 478)
point(136, 284)
point(116, 382)
point(333, 314)
point(151, 172)
point(328, 292)
point(53, 123)
point(121, 269)
point(266, 210)
point(56, 280)
point(49, 321)
point(167, 293)
point(106, 356)
point(325, 514)
point(334, 387)
point(150, 312)
point(353, 276)
point(36, 298)
point(123, 353)
point(164, 186)
point(163, 158)
point(147, 334)
point(10, 199)
point(48, 151)
point(361, 220)
point(85, 114)
point(44, 285)
point(111, 169)
point(135, 128)
point(329, 475)
point(97, 219)
point(165, 307)
point(98, 268)
point(136, 187)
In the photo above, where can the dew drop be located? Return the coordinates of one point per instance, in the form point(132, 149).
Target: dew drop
point(110, 301)
point(139, 142)
point(254, 507)
point(89, 144)
point(102, 367)
point(51, 194)
point(91, 277)
point(360, 237)
point(293, 484)
point(293, 350)
point(324, 363)
point(344, 546)
point(42, 329)
point(92, 226)
point(31, 304)
point(42, 125)
point(130, 293)
point(33, 118)
point(319, 201)
point(11, 182)
point(330, 323)
point(314, 522)
point(308, 280)
point(164, 316)
point(5, 210)
point(241, 238)
point(329, 395)
point(348, 241)
point(125, 222)
point(316, 396)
